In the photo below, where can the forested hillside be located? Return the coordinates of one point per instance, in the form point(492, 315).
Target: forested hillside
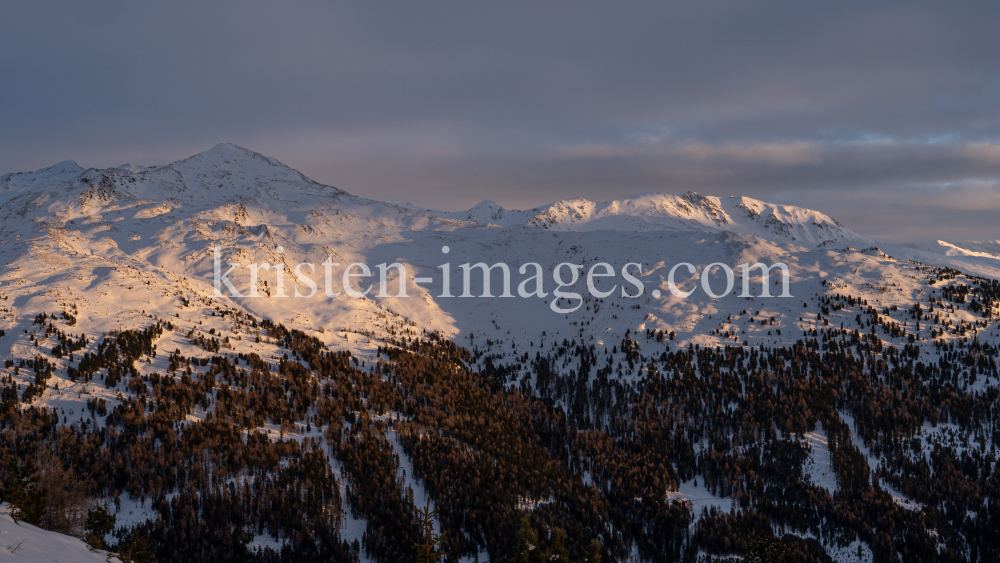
point(155, 413)
point(585, 455)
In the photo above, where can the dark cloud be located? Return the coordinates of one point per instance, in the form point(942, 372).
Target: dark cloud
point(445, 104)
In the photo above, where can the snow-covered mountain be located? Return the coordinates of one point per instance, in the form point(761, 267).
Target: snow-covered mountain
point(116, 248)
point(122, 244)
point(667, 212)
point(124, 240)
point(986, 253)
point(15, 183)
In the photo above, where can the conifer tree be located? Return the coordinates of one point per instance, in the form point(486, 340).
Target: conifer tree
point(557, 552)
point(24, 493)
point(134, 549)
point(427, 550)
point(100, 523)
point(527, 550)
point(769, 550)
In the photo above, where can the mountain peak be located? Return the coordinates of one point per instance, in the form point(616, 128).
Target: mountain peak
point(15, 183)
point(66, 166)
point(226, 153)
point(58, 169)
point(486, 204)
point(230, 166)
point(486, 212)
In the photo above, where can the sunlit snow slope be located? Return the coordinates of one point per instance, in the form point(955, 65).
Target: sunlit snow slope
point(116, 248)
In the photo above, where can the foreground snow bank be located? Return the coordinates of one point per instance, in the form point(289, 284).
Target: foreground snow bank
point(42, 546)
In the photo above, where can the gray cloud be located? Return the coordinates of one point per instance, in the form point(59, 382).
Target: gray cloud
point(444, 104)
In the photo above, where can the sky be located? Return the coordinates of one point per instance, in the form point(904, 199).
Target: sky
point(885, 116)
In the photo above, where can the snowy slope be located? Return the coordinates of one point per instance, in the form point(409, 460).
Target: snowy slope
point(126, 243)
point(15, 183)
point(41, 546)
point(666, 212)
point(118, 247)
point(985, 253)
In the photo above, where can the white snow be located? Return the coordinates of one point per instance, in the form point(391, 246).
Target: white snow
point(123, 247)
point(819, 467)
point(42, 546)
point(699, 497)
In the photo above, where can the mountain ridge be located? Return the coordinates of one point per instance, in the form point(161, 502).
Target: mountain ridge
point(217, 170)
point(130, 254)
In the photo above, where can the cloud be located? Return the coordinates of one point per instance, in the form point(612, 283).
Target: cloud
point(449, 103)
point(797, 152)
point(983, 152)
point(782, 154)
